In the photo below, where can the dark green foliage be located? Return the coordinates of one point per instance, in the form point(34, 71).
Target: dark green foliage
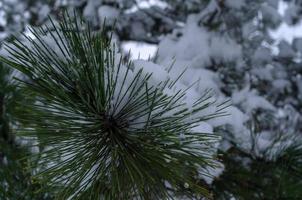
point(16, 175)
point(12, 100)
point(107, 132)
point(246, 177)
point(7, 95)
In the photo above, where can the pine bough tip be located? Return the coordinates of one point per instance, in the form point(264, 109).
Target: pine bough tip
point(107, 131)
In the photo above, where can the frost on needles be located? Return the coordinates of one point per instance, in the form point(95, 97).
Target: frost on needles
point(111, 129)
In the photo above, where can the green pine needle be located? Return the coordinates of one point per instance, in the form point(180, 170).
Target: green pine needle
point(106, 132)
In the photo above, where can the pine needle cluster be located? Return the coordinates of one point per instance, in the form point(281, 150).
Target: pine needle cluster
point(106, 131)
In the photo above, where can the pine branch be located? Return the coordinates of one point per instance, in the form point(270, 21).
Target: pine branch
point(109, 132)
point(280, 178)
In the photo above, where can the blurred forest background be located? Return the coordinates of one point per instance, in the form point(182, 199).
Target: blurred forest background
point(248, 51)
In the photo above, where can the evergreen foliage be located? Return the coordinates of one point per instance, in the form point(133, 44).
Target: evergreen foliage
point(231, 46)
point(257, 178)
point(16, 175)
point(7, 92)
point(106, 131)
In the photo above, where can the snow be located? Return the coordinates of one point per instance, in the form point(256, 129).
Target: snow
point(90, 9)
point(213, 171)
point(3, 22)
point(28, 33)
point(264, 140)
point(193, 47)
point(281, 84)
point(248, 29)
point(206, 79)
point(287, 32)
point(139, 50)
point(262, 55)
point(240, 133)
point(200, 49)
point(108, 13)
point(197, 51)
point(297, 44)
point(249, 100)
point(218, 46)
point(263, 72)
point(158, 72)
point(291, 14)
point(237, 4)
point(270, 14)
point(143, 4)
point(203, 127)
point(30, 142)
point(285, 50)
point(185, 48)
point(275, 4)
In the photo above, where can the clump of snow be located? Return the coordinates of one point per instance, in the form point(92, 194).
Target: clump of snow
point(249, 100)
point(262, 55)
point(263, 72)
point(270, 15)
point(90, 10)
point(139, 50)
point(291, 15)
point(158, 72)
point(285, 50)
point(144, 4)
point(197, 52)
point(206, 79)
point(108, 13)
point(218, 46)
point(263, 141)
point(248, 29)
point(281, 84)
point(297, 44)
point(184, 48)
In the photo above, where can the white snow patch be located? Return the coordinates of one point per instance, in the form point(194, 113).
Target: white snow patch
point(139, 50)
